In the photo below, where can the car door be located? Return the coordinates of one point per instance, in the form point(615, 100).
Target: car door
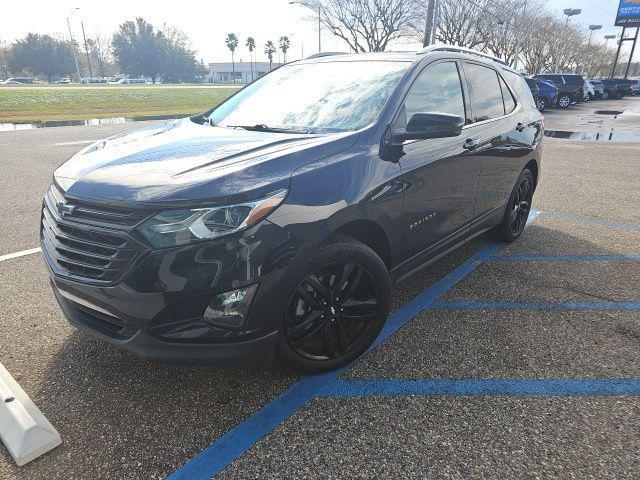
point(440, 174)
point(504, 135)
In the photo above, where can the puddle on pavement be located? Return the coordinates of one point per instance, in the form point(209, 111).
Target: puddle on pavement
point(92, 121)
point(613, 136)
point(609, 112)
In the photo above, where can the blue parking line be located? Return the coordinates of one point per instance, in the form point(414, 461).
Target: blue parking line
point(234, 443)
point(547, 388)
point(566, 258)
point(592, 220)
point(507, 305)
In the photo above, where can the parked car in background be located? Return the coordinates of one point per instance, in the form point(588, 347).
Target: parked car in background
point(598, 89)
point(625, 86)
point(614, 89)
point(570, 88)
point(533, 86)
point(130, 81)
point(547, 96)
point(17, 80)
point(591, 92)
point(93, 80)
point(635, 87)
point(268, 224)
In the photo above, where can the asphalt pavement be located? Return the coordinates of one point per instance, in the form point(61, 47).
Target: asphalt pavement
point(517, 361)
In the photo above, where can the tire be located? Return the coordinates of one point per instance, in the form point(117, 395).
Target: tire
point(319, 330)
point(516, 214)
point(541, 104)
point(563, 101)
point(605, 96)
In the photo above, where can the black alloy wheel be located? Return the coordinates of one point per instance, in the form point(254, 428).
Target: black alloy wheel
point(332, 311)
point(521, 206)
point(517, 210)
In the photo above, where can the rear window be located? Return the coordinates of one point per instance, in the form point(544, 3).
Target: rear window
point(509, 101)
point(519, 87)
point(574, 79)
point(486, 94)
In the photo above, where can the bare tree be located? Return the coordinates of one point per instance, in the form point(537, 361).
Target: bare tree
point(366, 25)
point(100, 50)
point(4, 60)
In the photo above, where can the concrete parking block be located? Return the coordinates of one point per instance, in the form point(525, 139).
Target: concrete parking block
point(24, 430)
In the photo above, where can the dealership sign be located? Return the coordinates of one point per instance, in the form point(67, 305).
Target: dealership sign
point(628, 13)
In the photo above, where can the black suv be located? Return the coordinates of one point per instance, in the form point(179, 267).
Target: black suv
point(280, 220)
point(571, 88)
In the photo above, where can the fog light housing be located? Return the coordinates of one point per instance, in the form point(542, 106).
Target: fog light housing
point(230, 309)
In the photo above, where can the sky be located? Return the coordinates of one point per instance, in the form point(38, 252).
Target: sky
point(207, 22)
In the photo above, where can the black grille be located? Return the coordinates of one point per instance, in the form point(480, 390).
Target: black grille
point(78, 248)
point(100, 215)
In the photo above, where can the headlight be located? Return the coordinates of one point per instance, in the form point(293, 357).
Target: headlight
point(180, 227)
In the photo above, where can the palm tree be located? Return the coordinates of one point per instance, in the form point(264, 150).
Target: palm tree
point(231, 41)
point(269, 50)
point(251, 45)
point(284, 46)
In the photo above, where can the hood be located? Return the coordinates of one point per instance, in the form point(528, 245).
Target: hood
point(185, 162)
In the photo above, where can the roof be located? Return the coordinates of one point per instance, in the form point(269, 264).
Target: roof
point(411, 56)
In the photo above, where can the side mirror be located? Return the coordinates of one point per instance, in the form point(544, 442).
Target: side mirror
point(422, 126)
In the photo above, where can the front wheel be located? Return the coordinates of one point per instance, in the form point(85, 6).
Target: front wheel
point(564, 101)
point(338, 301)
point(518, 208)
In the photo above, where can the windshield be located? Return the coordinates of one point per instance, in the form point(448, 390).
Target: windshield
point(316, 97)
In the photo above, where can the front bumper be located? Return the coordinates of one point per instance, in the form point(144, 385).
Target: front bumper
point(156, 310)
point(256, 352)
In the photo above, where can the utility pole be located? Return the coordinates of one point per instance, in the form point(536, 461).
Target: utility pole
point(429, 28)
point(86, 50)
point(73, 48)
point(516, 59)
point(633, 49)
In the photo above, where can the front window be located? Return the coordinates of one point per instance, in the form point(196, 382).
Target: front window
point(316, 97)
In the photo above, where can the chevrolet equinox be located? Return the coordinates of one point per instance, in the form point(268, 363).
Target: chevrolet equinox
point(278, 222)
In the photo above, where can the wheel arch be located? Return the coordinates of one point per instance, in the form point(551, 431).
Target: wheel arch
point(371, 234)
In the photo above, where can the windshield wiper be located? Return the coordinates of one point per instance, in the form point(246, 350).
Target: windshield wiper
point(261, 127)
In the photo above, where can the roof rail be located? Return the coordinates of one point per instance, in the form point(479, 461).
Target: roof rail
point(454, 48)
point(324, 54)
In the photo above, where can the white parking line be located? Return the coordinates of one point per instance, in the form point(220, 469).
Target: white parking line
point(9, 256)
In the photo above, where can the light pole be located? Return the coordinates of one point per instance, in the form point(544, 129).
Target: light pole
point(86, 50)
point(592, 29)
point(606, 40)
point(73, 43)
point(569, 12)
point(304, 4)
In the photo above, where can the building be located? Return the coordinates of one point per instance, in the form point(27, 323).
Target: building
point(223, 72)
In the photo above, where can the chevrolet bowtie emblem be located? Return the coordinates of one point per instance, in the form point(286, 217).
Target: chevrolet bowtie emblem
point(65, 209)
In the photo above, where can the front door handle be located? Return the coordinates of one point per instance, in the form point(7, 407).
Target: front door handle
point(470, 144)
point(520, 127)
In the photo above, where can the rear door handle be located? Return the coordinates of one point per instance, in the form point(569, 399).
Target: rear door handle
point(520, 127)
point(470, 144)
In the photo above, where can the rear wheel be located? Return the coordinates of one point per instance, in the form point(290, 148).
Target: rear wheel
point(517, 211)
point(564, 101)
point(338, 301)
point(541, 104)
